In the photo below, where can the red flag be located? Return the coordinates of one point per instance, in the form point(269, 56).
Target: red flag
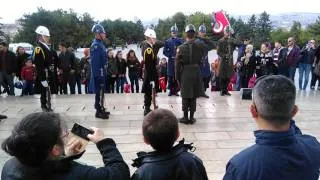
point(219, 22)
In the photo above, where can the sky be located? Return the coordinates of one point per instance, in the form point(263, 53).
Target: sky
point(147, 10)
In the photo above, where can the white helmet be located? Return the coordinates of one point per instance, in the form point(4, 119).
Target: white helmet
point(150, 33)
point(42, 30)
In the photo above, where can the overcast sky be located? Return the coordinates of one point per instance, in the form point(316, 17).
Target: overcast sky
point(150, 9)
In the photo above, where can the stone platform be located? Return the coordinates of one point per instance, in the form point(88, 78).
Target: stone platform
point(224, 126)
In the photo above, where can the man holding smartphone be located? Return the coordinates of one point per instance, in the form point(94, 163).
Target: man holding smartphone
point(41, 148)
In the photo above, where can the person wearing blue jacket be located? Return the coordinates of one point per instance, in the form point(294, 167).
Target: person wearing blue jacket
point(281, 151)
point(205, 66)
point(98, 69)
point(169, 50)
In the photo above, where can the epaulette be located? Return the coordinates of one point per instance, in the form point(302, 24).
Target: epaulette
point(37, 51)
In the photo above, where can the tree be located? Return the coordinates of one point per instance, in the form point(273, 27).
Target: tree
point(296, 31)
point(314, 30)
point(281, 35)
point(252, 25)
point(263, 28)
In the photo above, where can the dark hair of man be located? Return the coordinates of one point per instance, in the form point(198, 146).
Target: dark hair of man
point(160, 129)
point(190, 34)
point(274, 97)
point(4, 44)
point(33, 138)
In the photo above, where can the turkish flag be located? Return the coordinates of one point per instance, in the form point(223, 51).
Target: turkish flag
point(219, 22)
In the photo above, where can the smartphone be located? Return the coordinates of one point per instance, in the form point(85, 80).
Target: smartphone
point(81, 131)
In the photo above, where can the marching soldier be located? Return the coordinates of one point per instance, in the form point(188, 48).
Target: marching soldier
point(46, 62)
point(226, 46)
point(149, 49)
point(98, 70)
point(188, 60)
point(205, 66)
point(169, 50)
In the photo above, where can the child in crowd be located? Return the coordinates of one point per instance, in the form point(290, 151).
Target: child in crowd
point(28, 76)
point(160, 130)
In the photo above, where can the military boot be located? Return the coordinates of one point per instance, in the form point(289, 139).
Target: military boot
point(102, 115)
point(146, 111)
point(192, 119)
point(184, 119)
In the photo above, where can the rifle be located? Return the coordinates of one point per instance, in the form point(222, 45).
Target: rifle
point(48, 91)
point(154, 93)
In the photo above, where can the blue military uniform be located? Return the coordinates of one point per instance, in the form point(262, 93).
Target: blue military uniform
point(169, 50)
point(277, 156)
point(98, 62)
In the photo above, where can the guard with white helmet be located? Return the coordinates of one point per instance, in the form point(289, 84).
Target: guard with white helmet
point(99, 61)
point(149, 49)
point(187, 70)
point(46, 62)
point(169, 50)
point(205, 66)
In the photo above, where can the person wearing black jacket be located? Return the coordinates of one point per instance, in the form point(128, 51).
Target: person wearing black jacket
point(7, 68)
point(264, 61)
point(41, 150)
point(160, 130)
point(133, 68)
point(247, 65)
point(315, 77)
point(67, 68)
point(122, 71)
point(305, 64)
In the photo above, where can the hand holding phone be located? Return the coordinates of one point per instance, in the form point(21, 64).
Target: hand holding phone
point(96, 136)
point(81, 131)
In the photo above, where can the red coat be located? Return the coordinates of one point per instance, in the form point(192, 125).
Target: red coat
point(28, 73)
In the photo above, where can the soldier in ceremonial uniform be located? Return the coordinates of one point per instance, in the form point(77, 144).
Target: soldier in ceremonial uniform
point(226, 46)
point(46, 62)
point(188, 60)
point(169, 50)
point(205, 66)
point(98, 70)
point(149, 49)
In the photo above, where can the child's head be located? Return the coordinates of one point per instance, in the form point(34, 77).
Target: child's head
point(28, 62)
point(160, 129)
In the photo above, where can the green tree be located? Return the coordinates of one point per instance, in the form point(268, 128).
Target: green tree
point(296, 31)
point(314, 29)
point(263, 28)
point(252, 24)
point(281, 35)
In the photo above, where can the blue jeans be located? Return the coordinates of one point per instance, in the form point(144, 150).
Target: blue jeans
point(292, 72)
point(134, 82)
point(238, 82)
point(120, 83)
point(304, 70)
point(28, 88)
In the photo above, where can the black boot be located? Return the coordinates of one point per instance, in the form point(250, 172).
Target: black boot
point(184, 119)
point(102, 115)
point(227, 93)
point(192, 119)
point(146, 111)
point(221, 93)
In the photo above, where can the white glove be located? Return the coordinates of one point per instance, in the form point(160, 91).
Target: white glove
point(44, 84)
point(152, 83)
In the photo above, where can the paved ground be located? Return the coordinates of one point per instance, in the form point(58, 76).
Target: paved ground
point(224, 126)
